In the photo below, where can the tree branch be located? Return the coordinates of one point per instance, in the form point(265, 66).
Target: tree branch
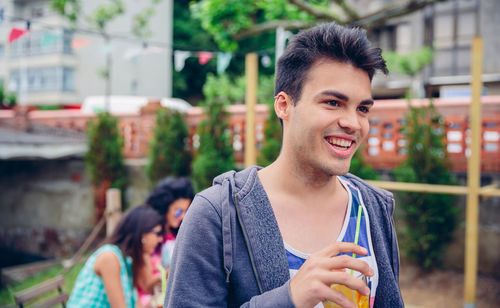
point(273, 24)
point(348, 10)
point(392, 11)
point(314, 11)
point(367, 21)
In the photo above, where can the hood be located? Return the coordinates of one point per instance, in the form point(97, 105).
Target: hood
point(241, 181)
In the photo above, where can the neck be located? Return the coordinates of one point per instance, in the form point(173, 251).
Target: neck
point(291, 178)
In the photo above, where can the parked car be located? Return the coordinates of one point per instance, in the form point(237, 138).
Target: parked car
point(119, 104)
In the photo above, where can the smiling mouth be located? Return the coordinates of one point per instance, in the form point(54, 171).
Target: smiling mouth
point(339, 143)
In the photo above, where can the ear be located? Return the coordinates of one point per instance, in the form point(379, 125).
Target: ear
point(283, 105)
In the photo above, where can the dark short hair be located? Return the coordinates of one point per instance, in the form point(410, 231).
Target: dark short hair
point(325, 41)
point(167, 191)
point(128, 233)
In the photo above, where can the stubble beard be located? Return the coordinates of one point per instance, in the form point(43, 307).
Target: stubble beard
point(316, 172)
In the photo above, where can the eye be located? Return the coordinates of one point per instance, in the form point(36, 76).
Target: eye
point(333, 103)
point(364, 109)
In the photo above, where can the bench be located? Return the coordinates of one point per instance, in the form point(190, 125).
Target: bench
point(24, 297)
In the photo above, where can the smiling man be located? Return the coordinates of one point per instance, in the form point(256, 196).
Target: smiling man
point(301, 232)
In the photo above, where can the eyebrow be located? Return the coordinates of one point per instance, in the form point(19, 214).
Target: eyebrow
point(344, 97)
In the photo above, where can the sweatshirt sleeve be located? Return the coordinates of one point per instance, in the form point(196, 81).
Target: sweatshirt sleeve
point(279, 297)
point(197, 277)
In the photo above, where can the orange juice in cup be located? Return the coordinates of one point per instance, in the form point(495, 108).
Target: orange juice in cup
point(360, 300)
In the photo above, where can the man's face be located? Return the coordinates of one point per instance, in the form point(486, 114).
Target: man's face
point(327, 125)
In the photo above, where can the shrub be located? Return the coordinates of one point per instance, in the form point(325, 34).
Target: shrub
point(272, 131)
point(169, 154)
point(362, 169)
point(272, 140)
point(215, 153)
point(430, 219)
point(104, 158)
point(7, 99)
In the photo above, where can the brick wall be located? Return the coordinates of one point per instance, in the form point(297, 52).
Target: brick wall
point(383, 149)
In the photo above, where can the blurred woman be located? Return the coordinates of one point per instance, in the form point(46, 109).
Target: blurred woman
point(171, 198)
point(111, 273)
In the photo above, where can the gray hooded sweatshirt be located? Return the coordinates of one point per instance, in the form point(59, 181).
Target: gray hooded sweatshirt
point(229, 250)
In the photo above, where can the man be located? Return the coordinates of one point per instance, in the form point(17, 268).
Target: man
point(298, 233)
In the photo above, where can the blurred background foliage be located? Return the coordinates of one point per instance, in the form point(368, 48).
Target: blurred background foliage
point(429, 219)
point(169, 153)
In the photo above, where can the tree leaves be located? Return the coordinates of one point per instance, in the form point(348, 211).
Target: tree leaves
point(230, 21)
point(104, 158)
point(408, 64)
point(430, 219)
point(169, 154)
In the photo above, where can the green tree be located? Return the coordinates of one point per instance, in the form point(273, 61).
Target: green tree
point(140, 22)
point(411, 65)
point(361, 169)
point(99, 20)
point(169, 153)
point(2, 96)
point(189, 35)
point(102, 16)
point(232, 21)
point(7, 99)
point(104, 158)
point(272, 130)
point(272, 140)
point(215, 153)
point(430, 219)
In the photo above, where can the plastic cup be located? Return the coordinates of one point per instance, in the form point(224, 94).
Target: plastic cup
point(360, 300)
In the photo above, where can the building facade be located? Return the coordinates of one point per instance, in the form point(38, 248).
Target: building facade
point(448, 28)
point(53, 64)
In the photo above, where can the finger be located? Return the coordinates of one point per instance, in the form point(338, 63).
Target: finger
point(337, 297)
point(347, 280)
point(345, 261)
point(342, 247)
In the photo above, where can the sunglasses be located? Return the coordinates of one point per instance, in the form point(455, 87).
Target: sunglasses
point(179, 212)
point(158, 233)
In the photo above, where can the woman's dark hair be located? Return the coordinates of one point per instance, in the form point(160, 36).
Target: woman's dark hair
point(169, 190)
point(325, 41)
point(128, 233)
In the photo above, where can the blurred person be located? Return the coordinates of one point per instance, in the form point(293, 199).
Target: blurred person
point(171, 198)
point(121, 263)
point(301, 232)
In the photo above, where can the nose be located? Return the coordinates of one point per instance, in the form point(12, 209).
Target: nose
point(349, 121)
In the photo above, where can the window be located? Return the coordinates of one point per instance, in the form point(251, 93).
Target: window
point(133, 87)
point(451, 25)
point(42, 42)
point(46, 79)
point(66, 44)
point(393, 37)
point(403, 38)
point(68, 79)
point(37, 12)
point(384, 37)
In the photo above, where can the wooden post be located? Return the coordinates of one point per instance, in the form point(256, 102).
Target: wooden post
point(113, 209)
point(473, 177)
point(251, 75)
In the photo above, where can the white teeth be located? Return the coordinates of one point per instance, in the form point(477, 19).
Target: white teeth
point(339, 142)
